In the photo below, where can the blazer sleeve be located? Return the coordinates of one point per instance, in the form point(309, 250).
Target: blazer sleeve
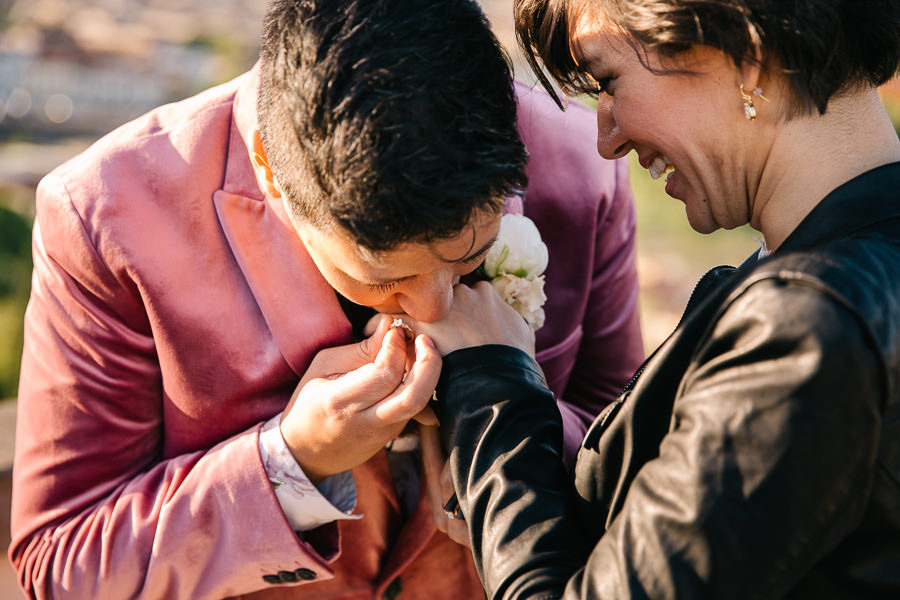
point(584, 208)
point(97, 512)
point(767, 466)
point(611, 347)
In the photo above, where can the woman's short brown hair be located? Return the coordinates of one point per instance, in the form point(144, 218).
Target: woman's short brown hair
point(822, 47)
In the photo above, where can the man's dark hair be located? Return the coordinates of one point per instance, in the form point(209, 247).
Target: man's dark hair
point(823, 47)
point(395, 119)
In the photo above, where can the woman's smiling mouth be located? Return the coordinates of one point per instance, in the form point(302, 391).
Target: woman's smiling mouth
point(659, 166)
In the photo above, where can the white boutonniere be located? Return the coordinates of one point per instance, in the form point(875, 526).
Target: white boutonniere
point(515, 265)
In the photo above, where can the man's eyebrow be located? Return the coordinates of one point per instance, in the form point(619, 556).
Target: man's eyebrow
point(478, 252)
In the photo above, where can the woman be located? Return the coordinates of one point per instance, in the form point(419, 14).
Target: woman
point(756, 453)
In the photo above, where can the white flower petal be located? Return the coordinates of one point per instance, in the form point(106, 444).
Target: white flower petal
point(518, 250)
point(526, 296)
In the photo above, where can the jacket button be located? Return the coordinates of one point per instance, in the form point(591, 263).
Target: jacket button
point(393, 590)
point(271, 578)
point(305, 574)
point(287, 576)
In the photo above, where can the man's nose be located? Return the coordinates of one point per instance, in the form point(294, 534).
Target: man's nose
point(428, 298)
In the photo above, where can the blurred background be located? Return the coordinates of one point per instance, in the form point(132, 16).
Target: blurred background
point(70, 71)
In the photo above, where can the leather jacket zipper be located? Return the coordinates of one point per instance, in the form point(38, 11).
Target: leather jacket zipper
point(693, 300)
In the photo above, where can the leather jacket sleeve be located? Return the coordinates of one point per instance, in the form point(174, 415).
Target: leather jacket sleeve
point(766, 467)
point(503, 430)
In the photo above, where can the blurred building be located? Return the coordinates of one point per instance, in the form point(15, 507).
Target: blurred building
point(84, 67)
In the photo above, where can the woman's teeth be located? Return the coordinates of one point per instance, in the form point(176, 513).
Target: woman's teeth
point(660, 165)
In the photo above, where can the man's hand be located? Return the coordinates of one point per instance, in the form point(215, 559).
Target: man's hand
point(478, 316)
point(354, 399)
point(440, 485)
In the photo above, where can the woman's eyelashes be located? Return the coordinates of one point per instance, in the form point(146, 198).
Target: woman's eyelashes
point(603, 84)
point(597, 85)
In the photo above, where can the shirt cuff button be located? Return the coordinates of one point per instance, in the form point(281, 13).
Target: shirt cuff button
point(305, 574)
point(287, 576)
point(271, 578)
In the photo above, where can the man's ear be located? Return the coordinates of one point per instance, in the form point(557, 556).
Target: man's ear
point(264, 176)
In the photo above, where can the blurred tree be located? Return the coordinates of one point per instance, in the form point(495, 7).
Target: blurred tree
point(890, 96)
point(15, 286)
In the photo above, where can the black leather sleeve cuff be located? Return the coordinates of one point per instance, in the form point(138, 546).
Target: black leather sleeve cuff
point(474, 377)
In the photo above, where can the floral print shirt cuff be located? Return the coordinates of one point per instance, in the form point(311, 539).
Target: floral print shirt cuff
point(305, 505)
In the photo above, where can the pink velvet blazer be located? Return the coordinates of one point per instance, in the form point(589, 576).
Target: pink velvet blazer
point(174, 310)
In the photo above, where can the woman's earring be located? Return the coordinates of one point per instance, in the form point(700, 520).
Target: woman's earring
point(749, 107)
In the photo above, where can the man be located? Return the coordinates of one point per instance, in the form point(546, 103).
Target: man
point(185, 275)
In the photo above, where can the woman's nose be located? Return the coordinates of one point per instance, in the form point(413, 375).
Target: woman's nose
point(611, 144)
point(428, 298)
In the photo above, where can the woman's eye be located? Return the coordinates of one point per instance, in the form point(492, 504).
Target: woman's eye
point(598, 85)
point(383, 287)
point(603, 85)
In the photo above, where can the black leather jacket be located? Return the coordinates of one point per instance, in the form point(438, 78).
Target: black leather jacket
point(755, 455)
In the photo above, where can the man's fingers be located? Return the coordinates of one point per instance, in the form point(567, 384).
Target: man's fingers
point(367, 385)
point(393, 350)
point(412, 396)
point(331, 363)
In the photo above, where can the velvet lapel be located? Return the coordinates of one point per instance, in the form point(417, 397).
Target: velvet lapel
point(299, 306)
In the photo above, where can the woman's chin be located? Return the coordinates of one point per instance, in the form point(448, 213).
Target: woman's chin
point(700, 223)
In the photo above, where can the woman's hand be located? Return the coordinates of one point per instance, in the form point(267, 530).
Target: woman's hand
point(439, 485)
point(354, 399)
point(477, 317)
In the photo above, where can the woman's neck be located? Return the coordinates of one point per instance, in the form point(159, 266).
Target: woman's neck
point(812, 156)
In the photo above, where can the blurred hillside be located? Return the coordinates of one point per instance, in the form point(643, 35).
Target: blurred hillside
point(81, 67)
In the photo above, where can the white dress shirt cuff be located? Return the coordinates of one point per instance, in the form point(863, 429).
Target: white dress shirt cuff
point(305, 505)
